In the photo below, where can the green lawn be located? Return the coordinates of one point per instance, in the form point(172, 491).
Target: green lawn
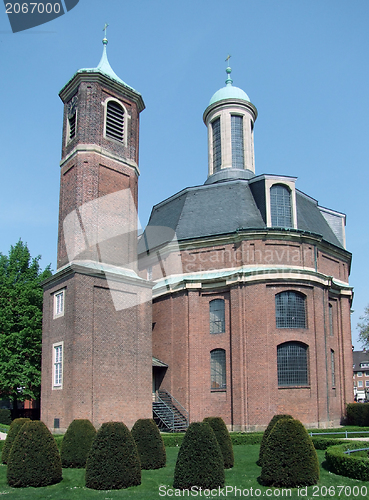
point(243, 476)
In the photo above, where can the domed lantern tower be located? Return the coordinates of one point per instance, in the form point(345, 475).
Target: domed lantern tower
point(230, 118)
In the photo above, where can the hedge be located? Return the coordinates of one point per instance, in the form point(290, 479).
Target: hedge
point(355, 467)
point(5, 416)
point(357, 414)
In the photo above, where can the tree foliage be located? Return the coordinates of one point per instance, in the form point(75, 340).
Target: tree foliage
point(34, 459)
point(200, 460)
point(363, 327)
point(77, 443)
point(149, 443)
point(21, 299)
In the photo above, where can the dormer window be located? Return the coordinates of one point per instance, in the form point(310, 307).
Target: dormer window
point(280, 206)
point(217, 146)
point(114, 121)
point(237, 141)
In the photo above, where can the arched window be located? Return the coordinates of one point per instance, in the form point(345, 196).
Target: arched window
point(114, 121)
point(292, 364)
point(290, 310)
point(217, 146)
point(280, 206)
point(217, 316)
point(218, 369)
point(237, 141)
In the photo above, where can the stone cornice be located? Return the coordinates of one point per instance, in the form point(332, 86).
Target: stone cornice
point(93, 148)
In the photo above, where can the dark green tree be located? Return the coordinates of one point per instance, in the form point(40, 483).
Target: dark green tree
point(267, 431)
point(21, 298)
point(34, 459)
point(15, 427)
point(113, 462)
point(223, 438)
point(149, 443)
point(76, 443)
point(289, 458)
point(200, 460)
point(363, 327)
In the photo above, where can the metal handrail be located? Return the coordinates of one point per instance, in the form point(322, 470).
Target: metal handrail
point(168, 407)
point(358, 449)
point(177, 402)
point(338, 432)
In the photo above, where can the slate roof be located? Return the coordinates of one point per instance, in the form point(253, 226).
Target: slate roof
point(360, 357)
point(223, 208)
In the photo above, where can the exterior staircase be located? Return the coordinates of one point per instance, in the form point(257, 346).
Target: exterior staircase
point(168, 413)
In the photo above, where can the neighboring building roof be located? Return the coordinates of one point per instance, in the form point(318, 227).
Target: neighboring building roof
point(360, 358)
point(229, 92)
point(223, 208)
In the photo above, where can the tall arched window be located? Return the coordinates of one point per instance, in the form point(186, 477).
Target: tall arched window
point(280, 206)
point(217, 316)
point(217, 146)
point(290, 310)
point(218, 369)
point(292, 364)
point(115, 121)
point(237, 141)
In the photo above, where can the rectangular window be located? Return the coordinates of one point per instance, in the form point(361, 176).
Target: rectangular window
point(360, 383)
point(330, 319)
point(366, 383)
point(59, 303)
point(217, 146)
point(237, 141)
point(333, 369)
point(58, 365)
point(359, 374)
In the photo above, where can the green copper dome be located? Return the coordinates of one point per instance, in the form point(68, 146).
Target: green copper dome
point(229, 91)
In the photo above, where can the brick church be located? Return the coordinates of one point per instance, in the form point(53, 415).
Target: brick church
point(234, 302)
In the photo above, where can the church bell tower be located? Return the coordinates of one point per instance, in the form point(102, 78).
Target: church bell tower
point(97, 311)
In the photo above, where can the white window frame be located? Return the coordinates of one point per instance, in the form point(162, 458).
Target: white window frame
point(58, 365)
point(126, 118)
point(359, 374)
point(360, 383)
point(59, 309)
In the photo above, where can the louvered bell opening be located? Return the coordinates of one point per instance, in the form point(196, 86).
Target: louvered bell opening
point(115, 121)
point(72, 126)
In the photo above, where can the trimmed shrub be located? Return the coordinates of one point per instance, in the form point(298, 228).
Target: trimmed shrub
point(199, 461)
point(15, 427)
point(354, 466)
point(357, 414)
point(5, 416)
point(223, 438)
point(113, 462)
point(289, 458)
point(149, 443)
point(76, 443)
point(321, 443)
point(267, 431)
point(241, 438)
point(34, 459)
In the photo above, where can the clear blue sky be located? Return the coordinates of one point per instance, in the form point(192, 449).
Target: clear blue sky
point(304, 65)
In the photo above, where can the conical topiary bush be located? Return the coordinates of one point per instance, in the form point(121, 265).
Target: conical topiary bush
point(267, 431)
point(289, 458)
point(149, 443)
point(34, 459)
point(223, 438)
point(199, 461)
point(76, 443)
point(113, 462)
point(15, 427)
